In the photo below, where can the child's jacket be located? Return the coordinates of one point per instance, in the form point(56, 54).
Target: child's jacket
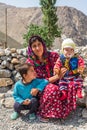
point(22, 91)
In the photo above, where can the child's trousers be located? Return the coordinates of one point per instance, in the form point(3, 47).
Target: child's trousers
point(32, 107)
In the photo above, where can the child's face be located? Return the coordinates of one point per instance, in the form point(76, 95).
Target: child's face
point(31, 74)
point(68, 52)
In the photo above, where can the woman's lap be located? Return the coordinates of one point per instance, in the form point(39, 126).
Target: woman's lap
point(52, 107)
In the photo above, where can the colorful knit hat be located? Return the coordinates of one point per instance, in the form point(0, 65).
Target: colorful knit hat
point(68, 43)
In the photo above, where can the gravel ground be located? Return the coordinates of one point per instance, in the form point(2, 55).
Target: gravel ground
point(73, 122)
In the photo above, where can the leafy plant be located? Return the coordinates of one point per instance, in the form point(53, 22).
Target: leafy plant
point(50, 29)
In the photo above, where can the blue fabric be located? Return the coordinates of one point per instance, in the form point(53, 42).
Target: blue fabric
point(22, 91)
point(73, 63)
point(62, 58)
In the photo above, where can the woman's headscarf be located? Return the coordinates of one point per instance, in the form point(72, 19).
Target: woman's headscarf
point(34, 58)
point(31, 53)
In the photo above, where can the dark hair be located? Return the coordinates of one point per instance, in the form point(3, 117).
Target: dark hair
point(34, 38)
point(23, 69)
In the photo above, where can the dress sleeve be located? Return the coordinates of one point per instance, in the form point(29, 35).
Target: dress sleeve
point(81, 62)
point(58, 64)
point(53, 58)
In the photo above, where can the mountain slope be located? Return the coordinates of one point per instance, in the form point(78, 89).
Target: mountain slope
point(72, 21)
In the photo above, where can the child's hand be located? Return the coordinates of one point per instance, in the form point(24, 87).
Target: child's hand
point(34, 91)
point(62, 72)
point(26, 102)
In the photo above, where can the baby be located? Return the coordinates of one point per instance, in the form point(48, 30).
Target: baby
point(26, 90)
point(74, 65)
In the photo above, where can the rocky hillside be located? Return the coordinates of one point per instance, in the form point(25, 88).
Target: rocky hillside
point(72, 21)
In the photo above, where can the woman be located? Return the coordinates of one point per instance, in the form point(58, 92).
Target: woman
point(44, 61)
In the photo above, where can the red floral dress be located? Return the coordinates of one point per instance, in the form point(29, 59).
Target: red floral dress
point(50, 104)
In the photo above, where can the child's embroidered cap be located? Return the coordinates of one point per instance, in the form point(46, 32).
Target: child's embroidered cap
point(68, 43)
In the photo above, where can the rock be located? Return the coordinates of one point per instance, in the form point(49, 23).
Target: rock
point(81, 128)
point(5, 89)
point(81, 101)
point(24, 52)
point(80, 120)
point(23, 60)
point(14, 55)
point(16, 66)
point(2, 67)
point(73, 129)
point(5, 63)
point(17, 77)
point(4, 73)
point(3, 57)
point(8, 94)
point(19, 51)
point(84, 113)
point(13, 50)
point(10, 67)
point(9, 59)
point(2, 52)
point(14, 72)
point(86, 102)
point(15, 61)
point(8, 102)
point(0, 61)
point(2, 95)
point(5, 82)
point(7, 51)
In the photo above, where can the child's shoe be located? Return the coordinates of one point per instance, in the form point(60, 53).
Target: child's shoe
point(79, 93)
point(32, 116)
point(64, 95)
point(15, 115)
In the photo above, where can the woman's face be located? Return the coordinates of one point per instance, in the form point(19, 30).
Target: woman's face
point(37, 48)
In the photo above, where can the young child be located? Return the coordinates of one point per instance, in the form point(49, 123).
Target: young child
point(25, 91)
point(75, 66)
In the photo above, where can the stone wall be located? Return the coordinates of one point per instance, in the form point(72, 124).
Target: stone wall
point(10, 59)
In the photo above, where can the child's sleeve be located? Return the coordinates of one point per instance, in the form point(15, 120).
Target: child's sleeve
point(41, 84)
point(16, 95)
point(53, 57)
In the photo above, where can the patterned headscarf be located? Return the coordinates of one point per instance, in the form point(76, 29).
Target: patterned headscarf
point(33, 39)
point(34, 58)
point(31, 53)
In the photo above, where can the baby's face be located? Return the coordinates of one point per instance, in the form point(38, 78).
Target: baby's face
point(68, 52)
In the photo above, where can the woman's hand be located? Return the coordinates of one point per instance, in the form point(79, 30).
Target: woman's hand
point(53, 78)
point(58, 76)
point(26, 102)
point(34, 91)
point(62, 72)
